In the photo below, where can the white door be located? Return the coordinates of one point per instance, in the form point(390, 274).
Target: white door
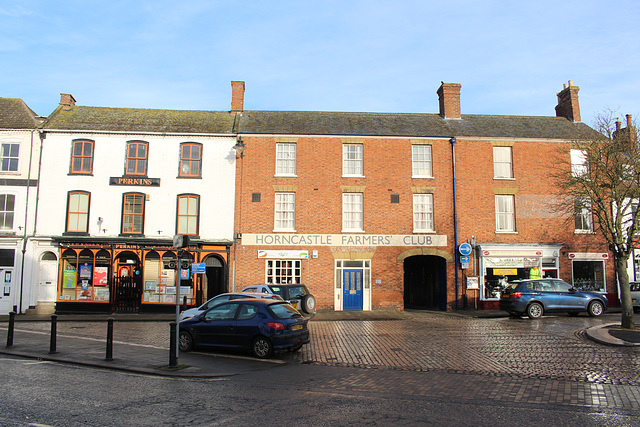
point(6, 290)
point(48, 281)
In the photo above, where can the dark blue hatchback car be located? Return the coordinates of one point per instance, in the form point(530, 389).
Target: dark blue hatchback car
point(261, 326)
point(536, 297)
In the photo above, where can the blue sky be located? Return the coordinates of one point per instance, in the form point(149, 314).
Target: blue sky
point(511, 57)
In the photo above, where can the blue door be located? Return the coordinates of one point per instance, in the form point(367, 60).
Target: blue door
point(352, 290)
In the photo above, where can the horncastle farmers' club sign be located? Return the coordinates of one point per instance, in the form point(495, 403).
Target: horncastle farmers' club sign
point(342, 240)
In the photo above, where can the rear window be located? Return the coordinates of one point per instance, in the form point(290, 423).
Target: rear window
point(283, 311)
point(512, 285)
point(278, 290)
point(297, 292)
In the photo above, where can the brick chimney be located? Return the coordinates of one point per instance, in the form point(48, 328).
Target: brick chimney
point(237, 97)
point(67, 101)
point(568, 106)
point(449, 99)
point(627, 136)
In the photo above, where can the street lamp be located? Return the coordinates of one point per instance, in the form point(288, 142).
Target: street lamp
point(239, 147)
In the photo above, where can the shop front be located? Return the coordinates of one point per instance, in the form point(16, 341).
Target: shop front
point(500, 264)
point(136, 277)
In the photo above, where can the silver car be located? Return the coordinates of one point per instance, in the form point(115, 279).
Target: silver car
point(193, 312)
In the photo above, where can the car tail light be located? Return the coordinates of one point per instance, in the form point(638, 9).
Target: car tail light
point(516, 295)
point(276, 325)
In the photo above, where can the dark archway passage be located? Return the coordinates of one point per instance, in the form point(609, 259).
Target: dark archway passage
point(425, 282)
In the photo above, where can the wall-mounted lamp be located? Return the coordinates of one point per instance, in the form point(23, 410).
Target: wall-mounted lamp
point(239, 147)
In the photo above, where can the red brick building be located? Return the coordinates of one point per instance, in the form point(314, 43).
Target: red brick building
point(369, 210)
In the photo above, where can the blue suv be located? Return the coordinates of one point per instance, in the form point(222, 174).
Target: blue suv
point(536, 297)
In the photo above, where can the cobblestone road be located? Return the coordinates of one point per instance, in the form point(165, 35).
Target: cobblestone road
point(548, 348)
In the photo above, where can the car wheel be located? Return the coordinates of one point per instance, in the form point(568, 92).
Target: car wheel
point(262, 348)
point(185, 341)
point(535, 310)
point(309, 304)
point(596, 308)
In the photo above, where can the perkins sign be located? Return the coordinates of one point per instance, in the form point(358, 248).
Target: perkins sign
point(342, 240)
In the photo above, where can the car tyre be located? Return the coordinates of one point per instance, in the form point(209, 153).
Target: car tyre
point(185, 341)
point(535, 310)
point(596, 308)
point(262, 348)
point(309, 304)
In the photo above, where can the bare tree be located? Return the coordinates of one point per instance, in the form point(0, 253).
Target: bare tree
point(604, 181)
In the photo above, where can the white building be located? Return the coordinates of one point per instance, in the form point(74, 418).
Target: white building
point(118, 185)
point(19, 157)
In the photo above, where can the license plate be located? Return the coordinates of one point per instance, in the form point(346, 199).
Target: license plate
point(296, 327)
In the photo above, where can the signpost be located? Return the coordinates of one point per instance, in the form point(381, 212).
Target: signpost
point(179, 242)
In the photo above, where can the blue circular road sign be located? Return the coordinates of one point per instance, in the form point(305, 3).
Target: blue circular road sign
point(464, 249)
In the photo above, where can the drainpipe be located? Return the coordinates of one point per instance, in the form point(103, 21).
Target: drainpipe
point(455, 215)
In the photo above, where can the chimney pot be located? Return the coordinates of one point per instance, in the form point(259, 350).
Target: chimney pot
point(237, 97)
point(629, 121)
point(618, 124)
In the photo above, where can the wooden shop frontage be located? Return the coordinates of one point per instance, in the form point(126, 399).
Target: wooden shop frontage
point(142, 275)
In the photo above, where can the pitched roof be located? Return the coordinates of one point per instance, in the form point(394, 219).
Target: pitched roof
point(410, 125)
point(79, 118)
point(14, 114)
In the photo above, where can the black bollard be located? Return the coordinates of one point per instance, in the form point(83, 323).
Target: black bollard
point(173, 354)
point(109, 356)
point(54, 332)
point(12, 321)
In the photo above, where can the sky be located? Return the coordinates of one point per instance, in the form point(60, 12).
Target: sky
point(511, 57)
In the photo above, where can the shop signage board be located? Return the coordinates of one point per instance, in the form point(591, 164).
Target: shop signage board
point(343, 240)
point(198, 268)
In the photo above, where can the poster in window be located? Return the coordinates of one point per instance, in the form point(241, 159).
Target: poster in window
point(69, 279)
point(100, 276)
point(150, 286)
point(85, 271)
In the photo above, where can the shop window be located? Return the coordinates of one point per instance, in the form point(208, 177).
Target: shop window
point(78, 211)
point(85, 276)
point(10, 153)
point(286, 159)
point(422, 163)
point(7, 206)
point(505, 213)
point(423, 213)
point(137, 152)
point(133, 213)
point(502, 163)
point(7, 257)
point(589, 275)
point(285, 212)
point(190, 160)
point(583, 216)
point(188, 214)
point(352, 212)
point(352, 160)
point(283, 271)
point(82, 157)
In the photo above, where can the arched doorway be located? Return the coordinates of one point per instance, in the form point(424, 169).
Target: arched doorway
point(425, 282)
point(215, 283)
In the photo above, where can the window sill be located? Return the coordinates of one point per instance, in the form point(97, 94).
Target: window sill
point(352, 231)
point(584, 232)
point(353, 176)
point(284, 231)
point(497, 178)
point(506, 232)
point(285, 176)
point(424, 231)
point(421, 177)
